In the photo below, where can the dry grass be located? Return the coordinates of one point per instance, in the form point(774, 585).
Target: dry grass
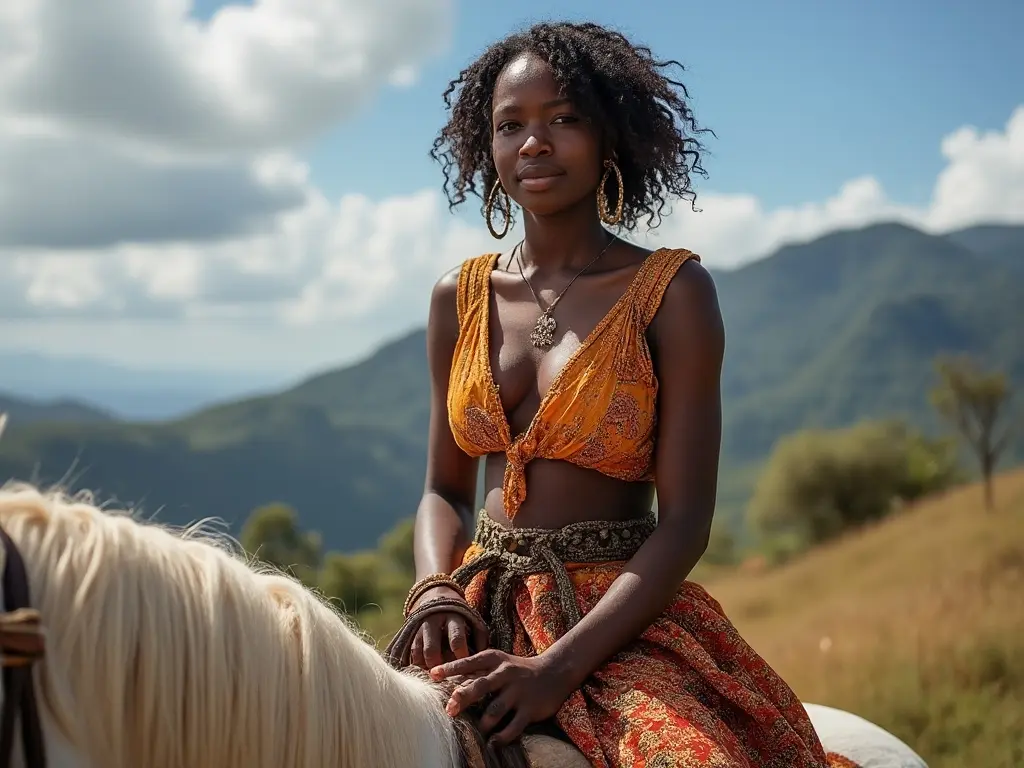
point(916, 624)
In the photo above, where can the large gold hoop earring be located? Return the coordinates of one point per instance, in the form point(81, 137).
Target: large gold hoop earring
point(506, 211)
point(602, 196)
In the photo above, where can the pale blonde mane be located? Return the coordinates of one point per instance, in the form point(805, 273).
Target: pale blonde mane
point(168, 649)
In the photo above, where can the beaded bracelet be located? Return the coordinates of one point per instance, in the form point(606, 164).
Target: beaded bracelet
point(429, 582)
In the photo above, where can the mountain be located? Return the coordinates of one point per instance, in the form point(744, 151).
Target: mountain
point(1000, 243)
point(386, 391)
point(823, 333)
point(346, 448)
point(129, 393)
point(845, 327)
point(29, 411)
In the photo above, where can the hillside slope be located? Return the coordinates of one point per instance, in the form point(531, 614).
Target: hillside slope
point(846, 327)
point(1004, 244)
point(340, 478)
point(916, 624)
point(23, 410)
point(386, 391)
point(824, 333)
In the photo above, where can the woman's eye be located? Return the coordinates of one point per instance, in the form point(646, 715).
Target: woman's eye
point(506, 127)
point(565, 119)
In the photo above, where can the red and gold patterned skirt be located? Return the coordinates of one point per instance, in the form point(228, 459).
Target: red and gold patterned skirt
point(688, 692)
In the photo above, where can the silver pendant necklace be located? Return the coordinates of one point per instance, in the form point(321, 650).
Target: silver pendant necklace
point(543, 335)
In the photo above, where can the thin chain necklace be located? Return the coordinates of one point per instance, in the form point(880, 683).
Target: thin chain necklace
point(543, 335)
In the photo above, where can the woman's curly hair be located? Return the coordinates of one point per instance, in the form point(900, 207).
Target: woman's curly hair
point(643, 114)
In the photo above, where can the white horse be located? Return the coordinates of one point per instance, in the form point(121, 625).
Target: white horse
point(167, 648)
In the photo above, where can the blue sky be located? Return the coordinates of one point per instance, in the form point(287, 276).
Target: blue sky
point(223, 193)
point(802, 94)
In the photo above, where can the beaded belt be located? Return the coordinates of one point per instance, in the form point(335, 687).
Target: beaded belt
point(511, 553)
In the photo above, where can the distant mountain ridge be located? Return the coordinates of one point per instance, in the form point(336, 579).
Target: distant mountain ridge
point(29, 411)
point(823, 333)
point(147, 395)
point(992, 241)
point(846, 327)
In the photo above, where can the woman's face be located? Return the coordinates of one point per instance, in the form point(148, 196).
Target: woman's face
point(547, 155)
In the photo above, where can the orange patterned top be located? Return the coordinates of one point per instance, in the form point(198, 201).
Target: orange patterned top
point(600, 410)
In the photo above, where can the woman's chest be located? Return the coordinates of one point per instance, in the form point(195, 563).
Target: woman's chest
point(527, 375)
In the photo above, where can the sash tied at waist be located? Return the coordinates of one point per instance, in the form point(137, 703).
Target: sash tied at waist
point(508, 554)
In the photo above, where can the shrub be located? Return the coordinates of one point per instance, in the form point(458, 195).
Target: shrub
point(819, 483)
point(353, 580)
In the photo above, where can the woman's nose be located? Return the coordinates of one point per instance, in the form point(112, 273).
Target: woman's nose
point(536, 144)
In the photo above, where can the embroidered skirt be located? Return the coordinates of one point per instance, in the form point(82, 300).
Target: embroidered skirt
point(688, 692)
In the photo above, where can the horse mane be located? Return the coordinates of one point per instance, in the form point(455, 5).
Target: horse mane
point(168, 647)
point(474, 749)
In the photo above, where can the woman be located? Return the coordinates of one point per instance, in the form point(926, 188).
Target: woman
point(575, 363)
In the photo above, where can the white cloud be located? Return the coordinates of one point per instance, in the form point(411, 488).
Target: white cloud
point(252, 78)
point(983, 182)
point(145, 176)
point(351, 260)
point(66, 191)
point(128, 121)
point(356, 261)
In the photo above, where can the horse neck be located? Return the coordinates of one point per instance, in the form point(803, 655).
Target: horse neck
point(403, 699)
point(365, 712)
point(408, 698)
point(261, 671)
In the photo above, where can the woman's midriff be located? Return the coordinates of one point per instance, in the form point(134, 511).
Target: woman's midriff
point(560, 493)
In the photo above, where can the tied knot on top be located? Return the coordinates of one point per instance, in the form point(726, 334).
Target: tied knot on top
point(518, 454)
point(509, 554)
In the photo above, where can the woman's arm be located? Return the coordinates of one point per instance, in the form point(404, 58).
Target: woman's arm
point(444, 517)
point(688, 347)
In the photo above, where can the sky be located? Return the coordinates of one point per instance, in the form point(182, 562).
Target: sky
point(246, 186)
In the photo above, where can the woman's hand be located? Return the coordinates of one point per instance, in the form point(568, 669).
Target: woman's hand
point(528, 688)
point(444, 636)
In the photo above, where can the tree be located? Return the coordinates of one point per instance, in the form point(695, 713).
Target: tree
point(396, 547)
point(272, 535)
point(975, 403)
point(354, 580)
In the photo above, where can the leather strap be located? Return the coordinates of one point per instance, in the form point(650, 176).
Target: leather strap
point(399, 650)
point(22, 643)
